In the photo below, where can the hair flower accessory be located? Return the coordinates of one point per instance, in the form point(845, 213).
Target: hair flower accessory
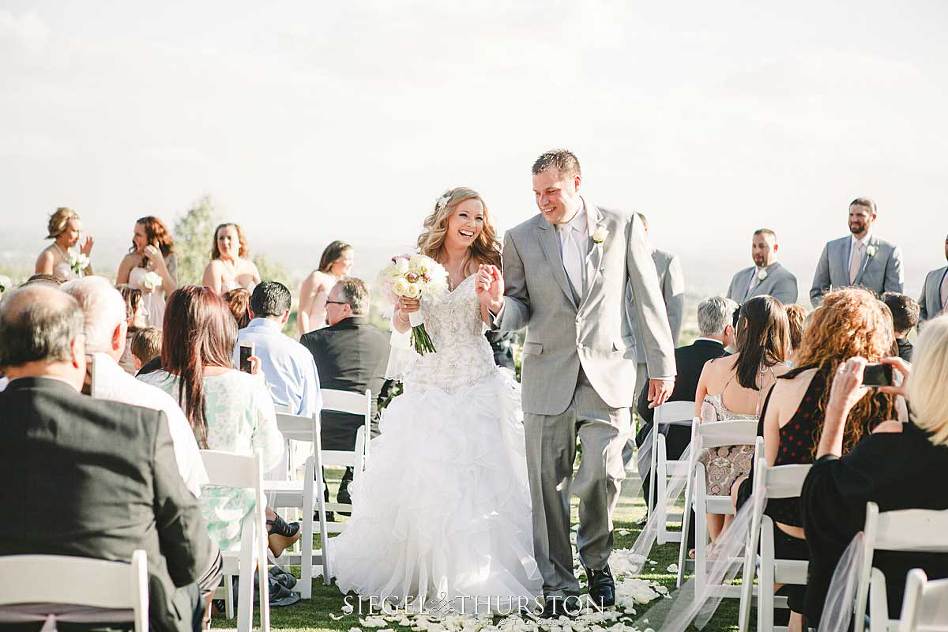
point(599, 235)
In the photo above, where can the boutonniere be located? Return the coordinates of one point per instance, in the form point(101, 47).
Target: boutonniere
point(870, 251)
point(599, 235)
point(761, 275)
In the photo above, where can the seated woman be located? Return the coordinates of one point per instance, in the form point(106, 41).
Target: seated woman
point(900, 466)
point(793, 412)
point(230, 266)
point(228, 410)
point(732, 388)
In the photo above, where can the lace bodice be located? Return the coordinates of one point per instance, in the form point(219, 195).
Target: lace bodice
point(463, 357)
point(713, 409)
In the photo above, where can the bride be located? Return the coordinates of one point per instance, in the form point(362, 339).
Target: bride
point(441, 517)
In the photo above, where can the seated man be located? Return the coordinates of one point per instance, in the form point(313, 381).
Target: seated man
point(717, 332)
point(905, 314)
point(351, 355)
point(103, 310)
point(85, 477)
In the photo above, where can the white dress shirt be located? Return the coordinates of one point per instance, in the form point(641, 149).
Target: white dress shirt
point(574, 244)
point(112, 383)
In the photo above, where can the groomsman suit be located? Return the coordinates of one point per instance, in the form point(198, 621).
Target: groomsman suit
point(779, 283)
point(871, 263)
point(671, 280)
point(934, 297)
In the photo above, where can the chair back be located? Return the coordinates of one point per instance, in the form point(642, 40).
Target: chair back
point(241, 471)
point(56, 584)
point(674, 413)
point(919, 530)
point(353, 404)
point(925, 605)
point(715, 434)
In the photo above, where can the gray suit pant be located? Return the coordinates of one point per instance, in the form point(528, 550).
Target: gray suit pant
point(551, 451)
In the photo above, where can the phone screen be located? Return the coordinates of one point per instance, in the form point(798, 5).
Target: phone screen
point(245, 352)
point(877, 375)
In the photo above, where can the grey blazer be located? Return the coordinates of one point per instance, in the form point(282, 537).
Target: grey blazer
point(780, 283)
point(594, 332)
point(930, 302)
point(879, 272)
point(671, 280)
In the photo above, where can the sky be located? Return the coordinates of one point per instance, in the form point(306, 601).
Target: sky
point(308, 122)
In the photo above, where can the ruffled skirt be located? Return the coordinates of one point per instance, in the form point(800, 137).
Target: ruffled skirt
point(442, 513)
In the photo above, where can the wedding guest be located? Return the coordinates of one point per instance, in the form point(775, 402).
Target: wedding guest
point(227, 409)
point(351, 355)
point(796, 319)
point(715, 334)
point(671, 280)
point(136, 317)
point(105, 328)
point(334, 265)
point(767, 275)
point(898, 467)
point(905, 312)
point(102, 478)
point(150, 266)
point(287, 366)
point(733, 388)
point(146, 346)
point(934, 298)
point(860, 259)
point(238, 302)
point(230, 266)
point(793, 412)
point(65, 258)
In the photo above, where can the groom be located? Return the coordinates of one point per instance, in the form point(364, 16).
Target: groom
point(565, 276)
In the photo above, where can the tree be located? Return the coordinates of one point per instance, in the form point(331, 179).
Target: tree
point(193, 236)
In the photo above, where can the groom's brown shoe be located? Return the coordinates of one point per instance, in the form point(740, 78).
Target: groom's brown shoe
point(602, 587)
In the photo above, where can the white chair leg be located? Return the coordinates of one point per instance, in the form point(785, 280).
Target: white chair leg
point(306, 564)
point(245, 581)
point(765, 587)
point(685, 526)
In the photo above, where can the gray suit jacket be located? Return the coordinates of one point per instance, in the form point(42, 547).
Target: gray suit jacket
point(671, 280)
point(594, 333)
point(879, 272)
point(780, 283)
point(930, 302)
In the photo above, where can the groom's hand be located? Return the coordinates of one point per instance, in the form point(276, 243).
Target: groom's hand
point(659, 391)
point(490, 287)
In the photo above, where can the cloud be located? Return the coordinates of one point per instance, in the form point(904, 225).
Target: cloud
point(24, 32)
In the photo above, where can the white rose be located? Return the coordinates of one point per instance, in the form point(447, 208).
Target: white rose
point(412, 290)
point(871, 251)
point(151, 280)
point(400, 287)
point(599, 235)
point(761, 275)
point(418, 264)
point(400, 266)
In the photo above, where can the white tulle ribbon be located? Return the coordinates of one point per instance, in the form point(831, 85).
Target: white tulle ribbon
point(838, 607)
point(401, 357)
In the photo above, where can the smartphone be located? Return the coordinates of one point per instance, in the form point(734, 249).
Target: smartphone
point(877, 375)
point(246, 350)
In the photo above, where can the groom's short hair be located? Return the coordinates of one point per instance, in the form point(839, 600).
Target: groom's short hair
point(766, 231)
point(563, 160)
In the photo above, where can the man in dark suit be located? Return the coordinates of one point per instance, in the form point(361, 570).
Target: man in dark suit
point(717, 332)
point(351, 355)
point(86, 477)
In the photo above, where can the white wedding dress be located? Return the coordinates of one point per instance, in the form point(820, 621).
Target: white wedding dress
point(442, 517)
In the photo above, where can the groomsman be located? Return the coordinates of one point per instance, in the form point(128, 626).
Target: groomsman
point(671, 280)
point(766, 276)
point(861, 259)
point(934, 299)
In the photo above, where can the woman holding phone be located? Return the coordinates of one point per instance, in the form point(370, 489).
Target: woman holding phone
point(150, 267)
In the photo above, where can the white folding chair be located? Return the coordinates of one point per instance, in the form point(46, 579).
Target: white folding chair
point(661, 469)
point(306, 495)
point(707, 436)
point(919, 530)
point(357, 458)
point(925, 604)
point(240, 471)
point(74, 589)
point(782, 481)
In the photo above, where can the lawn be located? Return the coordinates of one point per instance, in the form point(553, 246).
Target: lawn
point(325, 611)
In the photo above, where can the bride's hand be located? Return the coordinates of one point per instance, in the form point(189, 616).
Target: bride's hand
point(490, 287)
point(408, 305)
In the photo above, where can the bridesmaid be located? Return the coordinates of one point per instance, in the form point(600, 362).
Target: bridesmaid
point(150, 267)
point(334, 265)
point(230, 266)
point(64, 228)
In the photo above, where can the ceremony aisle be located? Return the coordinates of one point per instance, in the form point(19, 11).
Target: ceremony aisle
point(325, 611)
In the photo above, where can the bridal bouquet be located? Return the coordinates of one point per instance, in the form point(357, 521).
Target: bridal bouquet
point(151, 281)
point(78, 262)
point(411, 277)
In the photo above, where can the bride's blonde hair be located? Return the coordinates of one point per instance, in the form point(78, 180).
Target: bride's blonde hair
point(485, 249)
